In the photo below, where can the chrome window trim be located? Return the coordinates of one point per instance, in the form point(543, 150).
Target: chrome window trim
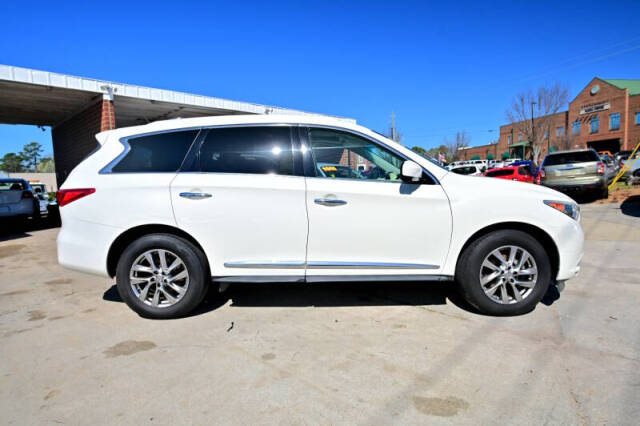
point(108, 169)
point(374, 141)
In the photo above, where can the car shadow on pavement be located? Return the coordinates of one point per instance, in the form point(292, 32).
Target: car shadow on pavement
point(335, 295)
point(13, 229)
point(631, 206)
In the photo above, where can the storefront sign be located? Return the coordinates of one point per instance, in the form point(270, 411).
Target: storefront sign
point(595, 108)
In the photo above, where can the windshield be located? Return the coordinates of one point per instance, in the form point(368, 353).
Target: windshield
point(571, 158)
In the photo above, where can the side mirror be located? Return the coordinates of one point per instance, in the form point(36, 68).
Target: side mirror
point(411, 172)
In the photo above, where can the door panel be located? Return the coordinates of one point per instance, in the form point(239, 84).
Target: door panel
point(363, 220)
point(243, 203)
point(382, 228)
point(247, 220)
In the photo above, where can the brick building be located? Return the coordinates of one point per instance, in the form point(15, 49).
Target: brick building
point(605, 115)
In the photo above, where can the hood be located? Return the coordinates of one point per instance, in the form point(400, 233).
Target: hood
point(486, 187)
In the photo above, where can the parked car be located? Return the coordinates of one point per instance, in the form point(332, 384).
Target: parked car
point(41, 194)
point(575, 172)
point(17, 199)
point(634, 165)
point(170, 207)
point(469, 170)
point(521, 173)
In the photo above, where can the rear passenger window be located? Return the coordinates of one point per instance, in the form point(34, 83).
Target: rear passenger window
point(162, 152)
point(524, 171)
point(252, 150)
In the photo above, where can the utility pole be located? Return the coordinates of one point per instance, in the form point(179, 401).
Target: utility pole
point(393, 126)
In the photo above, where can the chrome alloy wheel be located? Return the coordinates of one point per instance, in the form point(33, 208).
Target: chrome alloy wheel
point(508, 274)
point(159, 278)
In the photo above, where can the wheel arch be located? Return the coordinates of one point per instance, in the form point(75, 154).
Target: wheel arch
point(127, 237)
point(538, 233)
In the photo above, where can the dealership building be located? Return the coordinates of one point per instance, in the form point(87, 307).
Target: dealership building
point(605, 116)
point(77, 108)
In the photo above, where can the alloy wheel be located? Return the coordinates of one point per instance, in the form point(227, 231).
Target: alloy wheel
point(159, 278)
point(508, 274)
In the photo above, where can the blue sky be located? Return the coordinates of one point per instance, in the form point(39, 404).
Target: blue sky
point(442, 67)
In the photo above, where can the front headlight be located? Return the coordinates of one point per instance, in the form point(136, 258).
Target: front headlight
point(570, 209)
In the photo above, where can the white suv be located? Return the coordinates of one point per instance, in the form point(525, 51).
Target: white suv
point(169, 207)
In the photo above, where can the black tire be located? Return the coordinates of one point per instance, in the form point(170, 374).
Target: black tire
point(469, 267)
point(195, 263)
point(605, 193)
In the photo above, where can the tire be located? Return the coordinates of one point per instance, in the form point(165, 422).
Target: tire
point(470, 269)
point(605, 193)
point(193, 287)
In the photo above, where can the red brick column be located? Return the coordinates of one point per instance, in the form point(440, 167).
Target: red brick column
point(74, 138)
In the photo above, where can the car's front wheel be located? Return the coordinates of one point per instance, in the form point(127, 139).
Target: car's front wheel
point(162, 276)
point(505, 272)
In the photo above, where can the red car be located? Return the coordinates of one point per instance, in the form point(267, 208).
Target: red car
point(519, 173)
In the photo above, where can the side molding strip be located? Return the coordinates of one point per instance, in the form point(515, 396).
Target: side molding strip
point(368, 265)
point(326, 265)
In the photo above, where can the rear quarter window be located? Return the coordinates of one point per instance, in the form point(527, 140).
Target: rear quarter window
point(571, 157)
point(162, 152)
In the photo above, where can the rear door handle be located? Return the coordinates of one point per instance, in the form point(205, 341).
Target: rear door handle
point(195, 195)
point(331, 202)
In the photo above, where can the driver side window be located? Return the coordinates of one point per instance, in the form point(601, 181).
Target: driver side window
point(342, 155)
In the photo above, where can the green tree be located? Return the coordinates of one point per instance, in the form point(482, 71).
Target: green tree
point(46, 165)
point(419, 150)
point(30, 153)
point(12, 163)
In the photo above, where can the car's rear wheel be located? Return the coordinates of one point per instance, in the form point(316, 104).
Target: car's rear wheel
point(162, 276)
point(505, 272)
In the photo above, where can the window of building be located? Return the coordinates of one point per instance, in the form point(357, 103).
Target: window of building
point(509, 137)
point(520, 137)
point(560, 131)
point(595, 125)
point(637, 117)
point(576, 127)
point(614, 121)
point(251, 150)
point(546, 134)
point(162, 152)
point(337, 154)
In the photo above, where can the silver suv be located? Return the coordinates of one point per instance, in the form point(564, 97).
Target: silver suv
point(575, 172)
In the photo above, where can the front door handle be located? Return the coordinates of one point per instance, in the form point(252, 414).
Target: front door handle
point(195, 195)
point(331, 202)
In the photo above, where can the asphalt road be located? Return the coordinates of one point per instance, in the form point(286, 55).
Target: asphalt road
point(72, 352)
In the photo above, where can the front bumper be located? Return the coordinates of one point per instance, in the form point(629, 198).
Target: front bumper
point(570, 243)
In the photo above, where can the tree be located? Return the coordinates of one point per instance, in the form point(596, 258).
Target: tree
point(531, 114)
point(30, 153)
point(12, 163)
point(462, 140)
point(419, 150)
point(46, 165)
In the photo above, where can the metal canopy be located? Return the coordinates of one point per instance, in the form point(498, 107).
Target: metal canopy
point(45, 98)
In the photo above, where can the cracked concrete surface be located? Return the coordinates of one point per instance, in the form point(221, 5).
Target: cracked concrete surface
point(71, 352)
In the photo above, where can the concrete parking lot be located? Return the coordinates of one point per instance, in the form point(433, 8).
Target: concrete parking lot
point(72, 352)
